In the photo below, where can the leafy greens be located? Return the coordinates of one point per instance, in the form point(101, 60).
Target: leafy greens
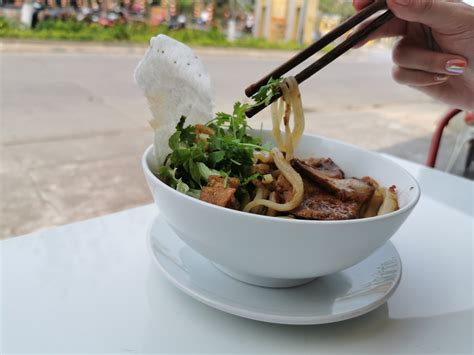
point(228, 151)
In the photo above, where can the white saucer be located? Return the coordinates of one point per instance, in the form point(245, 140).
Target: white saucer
point(346, 294)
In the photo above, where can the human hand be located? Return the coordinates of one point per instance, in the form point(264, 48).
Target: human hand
point(446, 72)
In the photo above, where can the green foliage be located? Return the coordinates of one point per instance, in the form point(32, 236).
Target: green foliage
point(267, 92)
point(226, 152)
point(67, 30)
point(4, 25)
point(186, 5)
point(343, 8)
point(133, 32)
point(260, 43)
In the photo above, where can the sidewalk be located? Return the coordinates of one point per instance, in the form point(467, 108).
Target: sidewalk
point(51, 46)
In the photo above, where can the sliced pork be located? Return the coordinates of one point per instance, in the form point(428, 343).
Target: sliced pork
point(219, 192)
point(351, 189)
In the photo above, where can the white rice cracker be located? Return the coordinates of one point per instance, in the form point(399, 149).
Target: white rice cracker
point(175, 83)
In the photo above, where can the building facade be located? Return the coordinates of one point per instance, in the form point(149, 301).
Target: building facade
point(286, 20)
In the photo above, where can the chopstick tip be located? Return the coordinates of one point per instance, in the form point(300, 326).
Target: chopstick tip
point(250, 90)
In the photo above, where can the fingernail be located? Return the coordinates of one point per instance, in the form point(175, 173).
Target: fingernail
point(402, 2)
point(456, 66)
point(440, 77)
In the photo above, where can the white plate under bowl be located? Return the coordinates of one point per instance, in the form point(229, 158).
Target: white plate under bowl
point(346, 294)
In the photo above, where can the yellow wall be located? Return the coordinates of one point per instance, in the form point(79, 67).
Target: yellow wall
point(279, 19)
point(310, 21)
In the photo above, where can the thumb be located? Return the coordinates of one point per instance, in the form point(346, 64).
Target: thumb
point(442, 15)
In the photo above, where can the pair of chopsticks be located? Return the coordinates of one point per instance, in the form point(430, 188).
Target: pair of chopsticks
point(320, 44)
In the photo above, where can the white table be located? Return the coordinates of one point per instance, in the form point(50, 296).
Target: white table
point(92, 287)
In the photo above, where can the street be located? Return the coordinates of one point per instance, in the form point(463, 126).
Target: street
point(74, 124)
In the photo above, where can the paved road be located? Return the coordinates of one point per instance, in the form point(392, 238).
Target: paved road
point(74, 124)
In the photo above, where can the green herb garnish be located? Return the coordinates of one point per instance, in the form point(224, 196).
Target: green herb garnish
point(266, 92)
point(228, 151)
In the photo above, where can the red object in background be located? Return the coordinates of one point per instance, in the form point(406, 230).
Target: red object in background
point(436, 140)
point(105, 22)
point(157, 16)
point(469, 118)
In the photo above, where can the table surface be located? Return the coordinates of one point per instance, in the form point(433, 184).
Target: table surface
point(93, 287)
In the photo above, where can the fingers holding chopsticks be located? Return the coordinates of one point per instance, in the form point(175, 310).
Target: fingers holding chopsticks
point(360, 4)
point(436, 52)
point(417, 78)
point(441, 15)
point(408, 55)
point(416, 61)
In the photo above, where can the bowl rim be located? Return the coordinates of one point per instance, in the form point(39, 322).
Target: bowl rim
point(409, 206)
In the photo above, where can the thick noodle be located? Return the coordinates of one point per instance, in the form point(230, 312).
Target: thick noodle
point(293, 178)
point(264, 157)
point(286, 95)
point(262, 193)
point(276, 120)
point(281, 110)
point(273, 198)
point(294, 99)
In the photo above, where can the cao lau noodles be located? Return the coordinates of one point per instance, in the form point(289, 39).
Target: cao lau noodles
point(220, 163)
point(226, 163)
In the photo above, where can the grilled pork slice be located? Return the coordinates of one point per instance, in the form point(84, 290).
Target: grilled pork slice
point(351, 189)
point(323, 166)
point(318, 203)
point(217, 193)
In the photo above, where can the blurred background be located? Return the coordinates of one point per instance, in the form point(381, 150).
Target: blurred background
point(74, 125)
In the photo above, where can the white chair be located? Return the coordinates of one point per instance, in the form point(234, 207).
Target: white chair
point(466, 137)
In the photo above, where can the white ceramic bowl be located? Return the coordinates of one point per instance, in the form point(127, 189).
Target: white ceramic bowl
point(277, 252)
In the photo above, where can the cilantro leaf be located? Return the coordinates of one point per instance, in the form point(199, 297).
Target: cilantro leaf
point(267, 92)
point(180, 125)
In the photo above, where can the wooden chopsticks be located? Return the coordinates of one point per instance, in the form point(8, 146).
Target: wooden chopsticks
point(320, 44)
